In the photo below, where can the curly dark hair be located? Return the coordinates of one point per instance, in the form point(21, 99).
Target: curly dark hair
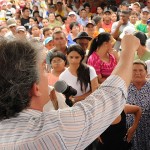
point(19, 71)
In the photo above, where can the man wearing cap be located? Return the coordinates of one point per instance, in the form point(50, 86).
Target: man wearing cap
point(10, 10)
point(72, 17)
point(142, 24)
point(90, 28)
point(136, 7)
point(124, 6)
point(107, 23)
point(83, 39)
point(11, 24)
point(48, 43)
point(21, 32)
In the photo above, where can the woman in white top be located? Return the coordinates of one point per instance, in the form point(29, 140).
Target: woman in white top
point(80, 76)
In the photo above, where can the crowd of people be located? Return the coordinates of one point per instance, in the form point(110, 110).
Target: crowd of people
point(82, 42)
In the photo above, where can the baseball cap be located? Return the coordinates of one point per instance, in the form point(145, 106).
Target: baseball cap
point(11, 22)
point(9, 3)
point(125, 3)
point(20, 28)
point(59, 2)
point(52, 6)
point(47, 40)
point(145, 10)
point(137, 3)
point(4, 4)
point(107, 10)
point(90, 22)
point(72, 13)
point(127, 30)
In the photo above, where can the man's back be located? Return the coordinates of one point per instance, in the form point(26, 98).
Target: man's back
point(71, 128)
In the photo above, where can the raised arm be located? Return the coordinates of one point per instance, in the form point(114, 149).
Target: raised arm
point(88, 119)
point(123, 69)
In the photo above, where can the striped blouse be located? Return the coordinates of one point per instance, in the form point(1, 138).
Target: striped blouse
point(71, 128)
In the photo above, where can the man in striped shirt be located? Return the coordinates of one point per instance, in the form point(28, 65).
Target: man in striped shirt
point(24, 92)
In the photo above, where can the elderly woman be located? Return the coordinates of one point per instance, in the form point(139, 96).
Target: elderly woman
point(139, 94)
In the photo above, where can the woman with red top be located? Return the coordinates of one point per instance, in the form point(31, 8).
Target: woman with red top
point(101, 56)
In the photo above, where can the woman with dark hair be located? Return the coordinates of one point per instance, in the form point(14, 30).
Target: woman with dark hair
point(142, 52)
point(36, 33)
point(99, 11)
point(101, 55)
point(32, 21)
point(58, 62)
point(74, 30)
point(80, 76)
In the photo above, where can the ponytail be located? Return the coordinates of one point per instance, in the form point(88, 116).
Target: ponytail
point(93, 46)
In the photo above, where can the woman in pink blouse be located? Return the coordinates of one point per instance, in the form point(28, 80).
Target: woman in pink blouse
point(101, 56)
